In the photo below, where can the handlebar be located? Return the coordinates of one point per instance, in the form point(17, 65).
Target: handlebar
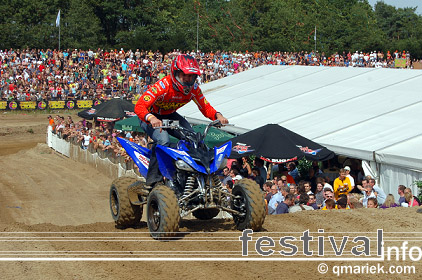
point(174, 124)
point(169, 124)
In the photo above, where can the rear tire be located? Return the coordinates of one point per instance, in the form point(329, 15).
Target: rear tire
point(123, 212)
point(251, 203)
point(206, 214)
point(163, 213)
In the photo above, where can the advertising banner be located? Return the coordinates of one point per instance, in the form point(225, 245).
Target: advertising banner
point(56, 104)
point(84, 104)
point(3, 105)
point(27, 105)
point(400, 63)
point(49, 104)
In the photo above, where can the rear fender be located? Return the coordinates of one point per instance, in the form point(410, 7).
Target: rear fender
point(139, 154)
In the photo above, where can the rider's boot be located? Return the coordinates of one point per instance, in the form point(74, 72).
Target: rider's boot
point(153, 175)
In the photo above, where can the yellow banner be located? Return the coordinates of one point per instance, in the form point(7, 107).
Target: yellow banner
point(400, 63)
point(56, 104)
point(27, 105)
point(82, 104)
point(3, 105)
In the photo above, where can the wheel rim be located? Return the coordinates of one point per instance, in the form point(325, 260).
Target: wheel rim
point(154, 216)
point(239, 204)
point(114, 203)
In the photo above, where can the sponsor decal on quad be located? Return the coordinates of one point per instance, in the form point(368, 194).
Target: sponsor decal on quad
point(183, 153)
point(143, 159)
point(220, 150)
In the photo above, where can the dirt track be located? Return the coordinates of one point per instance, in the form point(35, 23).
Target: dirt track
point(51, 206)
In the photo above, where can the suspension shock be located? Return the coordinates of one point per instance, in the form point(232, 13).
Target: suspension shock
point(216, 181)
point(190, 184)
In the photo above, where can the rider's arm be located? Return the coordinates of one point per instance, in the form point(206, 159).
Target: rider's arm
point(141, 107)
point(147, 100)
point(204, 106)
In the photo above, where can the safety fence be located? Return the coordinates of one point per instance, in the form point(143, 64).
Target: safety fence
point(105, 162)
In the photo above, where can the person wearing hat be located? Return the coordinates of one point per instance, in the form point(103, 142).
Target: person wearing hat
point(352, 180)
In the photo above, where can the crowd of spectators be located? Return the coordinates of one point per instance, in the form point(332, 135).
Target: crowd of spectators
point(289, 192)
point(34, 75)
point(99, 136)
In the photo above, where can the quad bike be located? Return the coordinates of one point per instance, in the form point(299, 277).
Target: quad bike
point(190, 186)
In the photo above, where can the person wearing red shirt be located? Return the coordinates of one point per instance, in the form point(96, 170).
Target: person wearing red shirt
point(164, 98)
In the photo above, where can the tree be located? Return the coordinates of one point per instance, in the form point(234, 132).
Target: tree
point(80, 27)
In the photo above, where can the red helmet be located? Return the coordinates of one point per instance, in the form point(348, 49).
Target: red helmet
point(189, 66)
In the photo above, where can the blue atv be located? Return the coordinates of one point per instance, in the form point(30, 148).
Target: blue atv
point(191, 185)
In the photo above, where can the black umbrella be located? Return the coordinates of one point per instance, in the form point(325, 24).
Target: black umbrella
point(109, 111)
point(277, 144)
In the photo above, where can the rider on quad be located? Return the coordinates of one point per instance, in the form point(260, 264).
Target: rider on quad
point(162, 100)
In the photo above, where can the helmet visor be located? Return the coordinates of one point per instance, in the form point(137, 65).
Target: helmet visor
point(187, 80)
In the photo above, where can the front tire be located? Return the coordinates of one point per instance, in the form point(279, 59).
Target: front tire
point(163, 212)
point(250, 202)
point(123, 212)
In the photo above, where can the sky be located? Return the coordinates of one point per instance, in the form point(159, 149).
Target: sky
point(401, 4)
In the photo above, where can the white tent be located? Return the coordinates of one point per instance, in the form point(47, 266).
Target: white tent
point(373, 114)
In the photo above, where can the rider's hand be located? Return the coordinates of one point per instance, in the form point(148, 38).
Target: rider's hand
point(155, 122)
point(222, 119)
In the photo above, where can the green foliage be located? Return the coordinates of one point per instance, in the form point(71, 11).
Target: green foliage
point(236, 25)
point(303, 167)
point(418, 183)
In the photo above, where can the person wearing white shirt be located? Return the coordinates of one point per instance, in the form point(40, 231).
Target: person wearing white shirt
point(381, 196)
point(352, 180)
point(367, 192)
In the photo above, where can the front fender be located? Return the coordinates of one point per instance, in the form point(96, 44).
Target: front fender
point(166, 156)
point(219, 154)
point(139, 154)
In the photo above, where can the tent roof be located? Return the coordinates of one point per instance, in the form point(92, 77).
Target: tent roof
point(357, 112)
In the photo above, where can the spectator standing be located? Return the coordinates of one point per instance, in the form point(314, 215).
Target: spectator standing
point(372, 202)
point(409, 190)
point(259, 163)
point(352, 180)
point(319, 195)
point(381, 196)
point(293, 171)
point(303, 204)
point(367, 191)
point(283, 207)
point(400, 191)
point(342, 203)
point(389, 202)
point(277, 197)
point(312, 202)
point(257, 178)
point(342, 184)
point(410, 200)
